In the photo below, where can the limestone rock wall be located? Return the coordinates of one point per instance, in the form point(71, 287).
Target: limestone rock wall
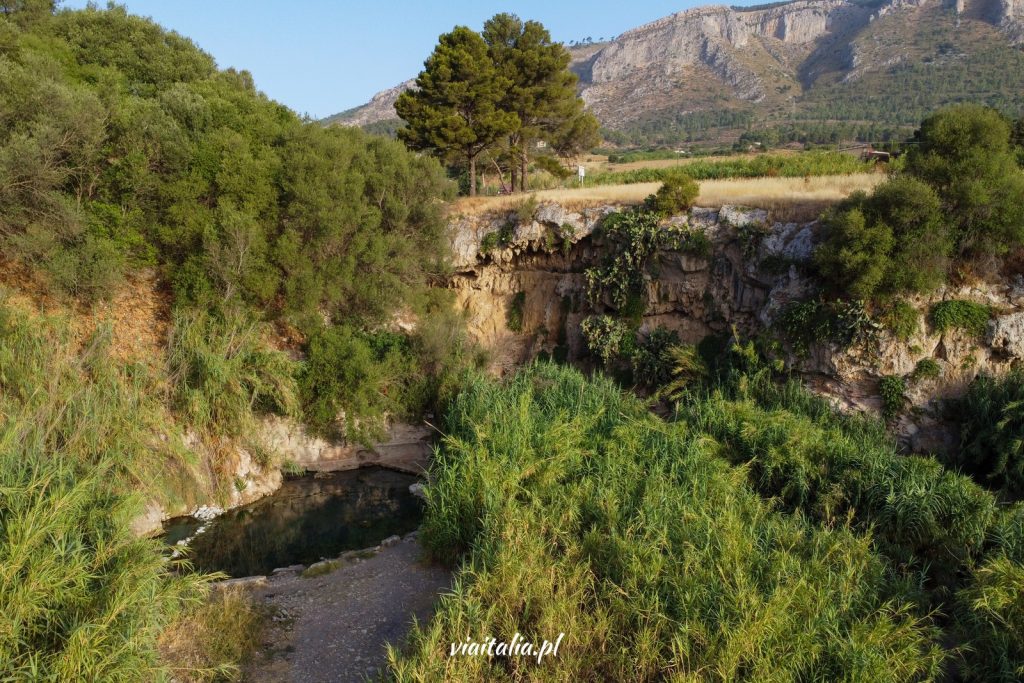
point(754, 269)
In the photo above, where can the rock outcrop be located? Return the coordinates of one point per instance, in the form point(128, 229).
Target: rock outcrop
point(754, 269)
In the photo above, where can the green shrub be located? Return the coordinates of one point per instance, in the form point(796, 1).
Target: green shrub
point(991, 416)
point(813, 321)
point(514, 316)
point(955, 314)
point(893, 391)
point(653, 360)
point(607, 338)
point(561, 497)
point(223, 373)
point(352, 380)
point(964, 152)
point(895, 240)
point(901, 319)
point(676, 194)
point(926, 368)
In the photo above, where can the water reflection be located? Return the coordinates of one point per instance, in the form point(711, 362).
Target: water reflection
point(308, 519)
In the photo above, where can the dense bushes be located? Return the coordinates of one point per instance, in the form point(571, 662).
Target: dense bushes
point(121, 145)
point(892, 241)
point(991, 416)
point(966, 155)
point(927, 520)
point(223, 373)
point(961, 194)
point(571, 505)
point(352, 380)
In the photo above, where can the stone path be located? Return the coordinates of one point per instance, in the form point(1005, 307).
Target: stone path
point(334, 627)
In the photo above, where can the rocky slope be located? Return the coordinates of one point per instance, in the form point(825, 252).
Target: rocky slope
point(794, 60)
point(539, 272)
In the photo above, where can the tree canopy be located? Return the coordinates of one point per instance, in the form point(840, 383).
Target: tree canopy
point(455, 111)
point(498, 93)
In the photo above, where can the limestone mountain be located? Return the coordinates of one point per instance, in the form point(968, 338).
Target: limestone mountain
point(824, 67)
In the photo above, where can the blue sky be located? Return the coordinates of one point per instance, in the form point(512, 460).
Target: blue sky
point(321, 57)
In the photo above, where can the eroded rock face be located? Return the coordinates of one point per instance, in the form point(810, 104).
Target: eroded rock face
point(753, 270)
point(1006, 334)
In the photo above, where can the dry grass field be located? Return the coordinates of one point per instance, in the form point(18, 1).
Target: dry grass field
point(785, 198)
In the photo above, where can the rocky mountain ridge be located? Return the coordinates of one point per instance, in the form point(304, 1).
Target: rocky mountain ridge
point(782, 61)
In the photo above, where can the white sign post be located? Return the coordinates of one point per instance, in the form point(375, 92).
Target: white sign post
point(582, 173)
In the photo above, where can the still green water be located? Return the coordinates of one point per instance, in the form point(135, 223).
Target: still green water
point(306, 520)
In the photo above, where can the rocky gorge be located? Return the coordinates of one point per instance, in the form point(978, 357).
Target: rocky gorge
point(531, 271)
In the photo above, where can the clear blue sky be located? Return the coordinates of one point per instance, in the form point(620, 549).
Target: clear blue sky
point(321, 56)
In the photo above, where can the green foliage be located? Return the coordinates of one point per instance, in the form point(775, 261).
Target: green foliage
point(890, 242)
point(630, 239)
point(991, 611)
point(82, 597)
point(902, 319)
point(676, 194)
point(514, 317)
point(561, 496)
point(814, 321)
point(553, 166)
point(455, 111)
point(991, 416)
point(892, 389)
point(496, 93)
point(955, 314)
point(541, 94)
point(607, 338)
point(121, 145)
point(223, 374)
point(353, 380)
point(966, 155)
point(926, 368)
point(688, 368)
point(654, 359)
point(761, 166)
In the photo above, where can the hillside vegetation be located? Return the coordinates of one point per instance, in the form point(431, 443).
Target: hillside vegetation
point(281, 252)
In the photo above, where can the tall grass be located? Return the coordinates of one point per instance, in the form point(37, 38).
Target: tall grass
point(576, 511)
point(223, 372)
point(935, 527)
point(81, 598)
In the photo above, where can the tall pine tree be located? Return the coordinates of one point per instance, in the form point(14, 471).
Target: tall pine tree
point(543, 89)
point(455, 110)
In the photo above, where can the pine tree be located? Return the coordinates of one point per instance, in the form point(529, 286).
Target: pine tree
point(543, 89)
point(454, 110)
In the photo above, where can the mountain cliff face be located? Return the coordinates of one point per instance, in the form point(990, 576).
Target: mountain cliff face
point(831, 60)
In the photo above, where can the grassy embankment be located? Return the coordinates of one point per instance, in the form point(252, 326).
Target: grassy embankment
point(574, 510)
